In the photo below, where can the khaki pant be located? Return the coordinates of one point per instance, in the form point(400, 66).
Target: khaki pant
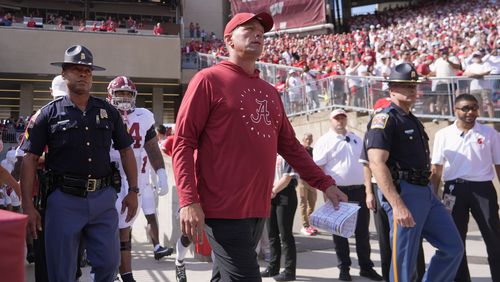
point(307, 201)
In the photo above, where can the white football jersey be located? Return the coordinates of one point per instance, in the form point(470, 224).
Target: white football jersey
point(138, 123)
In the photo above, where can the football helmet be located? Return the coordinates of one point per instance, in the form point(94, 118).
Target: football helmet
point(122, 83)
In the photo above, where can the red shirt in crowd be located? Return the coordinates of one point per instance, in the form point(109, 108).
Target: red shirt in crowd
point(31, 23)
point(237, 123)
point(157, 30)
point(280, 86)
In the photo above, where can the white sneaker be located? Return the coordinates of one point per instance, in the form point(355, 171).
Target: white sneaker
point(306, 231)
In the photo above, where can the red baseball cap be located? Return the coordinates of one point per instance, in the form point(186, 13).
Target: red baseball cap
point(264, 18)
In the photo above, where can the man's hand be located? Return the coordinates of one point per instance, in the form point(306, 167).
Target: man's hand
point(34, 220)
point(192, 220)
point(402, 215)
point(334, 194)
point(129, 203)
point(370, 201)
point(162, 182)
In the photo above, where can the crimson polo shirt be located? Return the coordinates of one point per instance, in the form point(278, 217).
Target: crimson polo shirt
point(237, 123)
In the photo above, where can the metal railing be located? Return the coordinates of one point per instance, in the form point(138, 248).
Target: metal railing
point(435, 96)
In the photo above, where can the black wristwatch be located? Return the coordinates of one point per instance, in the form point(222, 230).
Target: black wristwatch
point(134, 189)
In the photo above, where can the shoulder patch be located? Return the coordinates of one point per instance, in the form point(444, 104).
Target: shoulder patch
point(33, 118)
point(379, 121)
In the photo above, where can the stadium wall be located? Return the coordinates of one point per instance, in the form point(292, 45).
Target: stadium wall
point(31, 51)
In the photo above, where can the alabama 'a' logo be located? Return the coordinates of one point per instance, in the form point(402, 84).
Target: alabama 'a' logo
point(260, 112)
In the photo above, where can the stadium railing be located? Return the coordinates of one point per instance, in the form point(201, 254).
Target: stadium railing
point(435, 96)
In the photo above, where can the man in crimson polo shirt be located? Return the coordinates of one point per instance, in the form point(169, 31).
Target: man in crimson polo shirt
point(238, 125)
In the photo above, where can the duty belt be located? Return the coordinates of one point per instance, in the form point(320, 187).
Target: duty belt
point(352, 187)
point(413, 176)
point(79, 186)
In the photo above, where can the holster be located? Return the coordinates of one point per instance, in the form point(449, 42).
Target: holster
point(40, 200)
point(116, 177)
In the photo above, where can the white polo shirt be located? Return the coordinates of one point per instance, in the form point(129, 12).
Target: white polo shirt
point(339, 158)
point(470, 155)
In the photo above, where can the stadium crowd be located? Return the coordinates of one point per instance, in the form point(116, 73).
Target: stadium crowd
point(420, 36)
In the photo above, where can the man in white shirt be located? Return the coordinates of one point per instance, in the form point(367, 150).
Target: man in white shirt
point(479, 87)
point(464, 155)
point(337, 153)
point(293, 85)
point(354, 84)
point(493, 60)
point(444, 66)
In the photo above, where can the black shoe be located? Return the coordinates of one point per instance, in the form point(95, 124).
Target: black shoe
point(30, 257)
point(269, 272)
point(344, 275)
point(284, 276)
point(129, 277)
point(180, 273)
point(371, 274)
point(163, 252)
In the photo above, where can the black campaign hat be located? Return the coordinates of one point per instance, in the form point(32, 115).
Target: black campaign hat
point(79, 55)
point(403, 73)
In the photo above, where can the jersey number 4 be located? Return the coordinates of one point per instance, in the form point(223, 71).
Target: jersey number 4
point(135, 133)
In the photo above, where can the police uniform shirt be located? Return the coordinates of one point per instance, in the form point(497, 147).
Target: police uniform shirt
point(470, 155)
point(339, 157)
point(78, 142)
point(402, 135)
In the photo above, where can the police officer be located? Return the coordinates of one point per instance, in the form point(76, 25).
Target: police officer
point(78, 130)
point(398, 154)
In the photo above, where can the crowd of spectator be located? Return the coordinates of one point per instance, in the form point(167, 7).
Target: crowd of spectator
point(438, 38)
point(11, 128)
point(108, 24)
point(405, 34)
point(13, 123)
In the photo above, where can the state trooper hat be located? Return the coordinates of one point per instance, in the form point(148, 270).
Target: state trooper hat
point(403, 73)
point(78, 55)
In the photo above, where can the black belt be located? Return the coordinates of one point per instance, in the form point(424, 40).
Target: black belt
point(458, 180)
point(461, 180)
point(80, 186)
point(352, 187)
point(418, 177)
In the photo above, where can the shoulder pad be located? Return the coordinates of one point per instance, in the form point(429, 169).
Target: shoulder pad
point(379, 120)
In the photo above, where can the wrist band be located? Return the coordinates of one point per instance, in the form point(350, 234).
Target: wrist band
point(133, 189)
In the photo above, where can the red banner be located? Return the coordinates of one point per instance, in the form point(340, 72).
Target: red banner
point(286, 14)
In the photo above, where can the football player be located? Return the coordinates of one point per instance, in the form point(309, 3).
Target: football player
point(122, 94)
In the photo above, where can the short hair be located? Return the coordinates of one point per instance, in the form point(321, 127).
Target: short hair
point(307, 134)
point(465, 97)
point(161, 129)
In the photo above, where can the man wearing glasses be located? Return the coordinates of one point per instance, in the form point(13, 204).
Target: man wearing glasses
point(398, 154)
point(468, 151)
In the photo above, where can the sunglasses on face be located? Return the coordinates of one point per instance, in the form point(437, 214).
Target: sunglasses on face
point(467, 109)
